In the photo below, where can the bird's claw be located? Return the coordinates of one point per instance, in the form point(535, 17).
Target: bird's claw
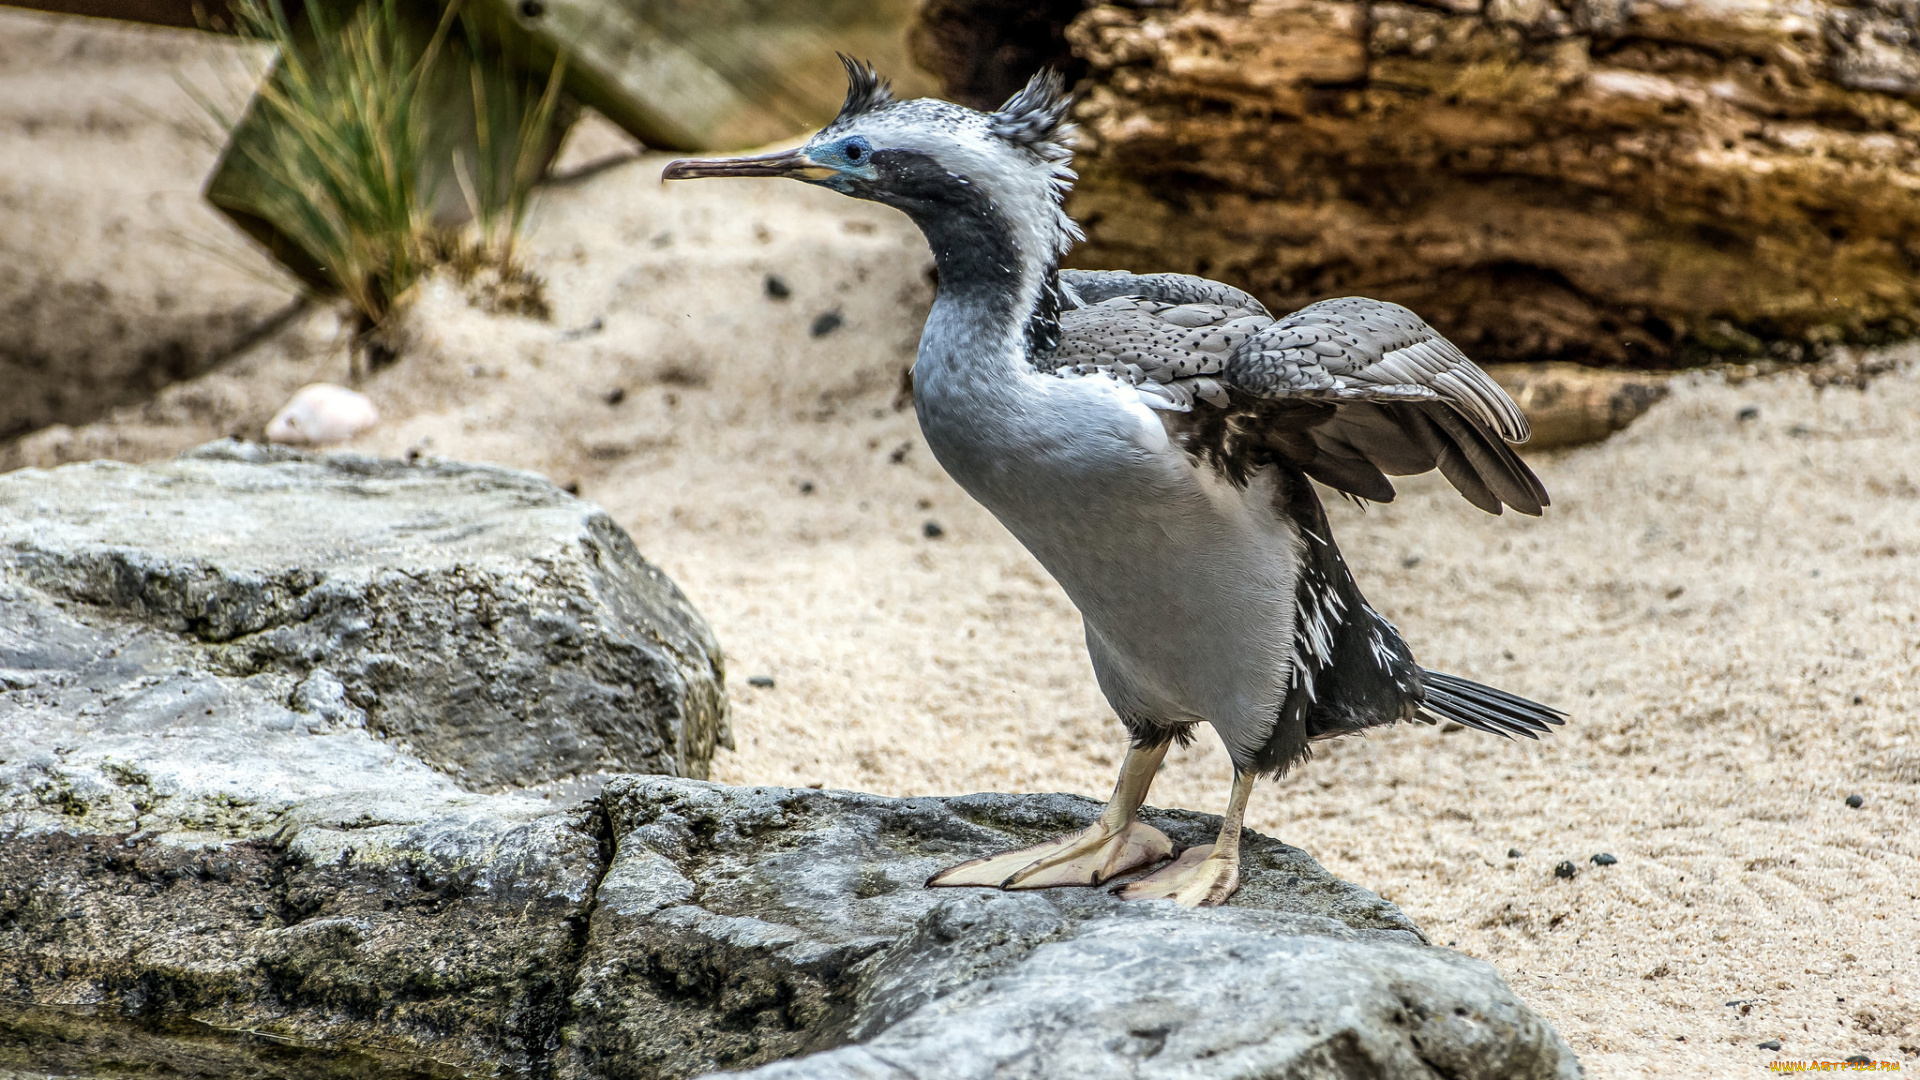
point(1092, 857)
point(1196, 879)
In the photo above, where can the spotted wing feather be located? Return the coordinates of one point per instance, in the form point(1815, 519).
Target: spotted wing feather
point(1360, 349)
point(1081, 288)
point(1172, 353)
point(1409, 400)
point(1351, 390)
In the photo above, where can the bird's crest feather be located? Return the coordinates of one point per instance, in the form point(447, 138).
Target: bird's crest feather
point(866, 90)
point(1036, 117)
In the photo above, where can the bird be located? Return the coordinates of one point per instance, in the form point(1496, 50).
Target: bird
point(1154, 440)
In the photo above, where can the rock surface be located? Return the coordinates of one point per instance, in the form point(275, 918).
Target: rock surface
point(244, 698)
point(738, 926)
point(371, 934)
point(1600, 181)
point(680, 927)
point(505, 633)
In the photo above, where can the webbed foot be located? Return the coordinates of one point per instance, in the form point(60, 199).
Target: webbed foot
point(1093, 857)
point(1198, 878)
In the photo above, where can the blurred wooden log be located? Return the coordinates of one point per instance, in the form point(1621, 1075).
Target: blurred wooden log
point(710, 74)
point(1569, 405)
point(211, 15)
point(1617, 182)
point(677, 74)
point(983, 50)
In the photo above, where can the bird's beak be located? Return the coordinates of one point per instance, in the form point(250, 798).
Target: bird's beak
point(790, 163)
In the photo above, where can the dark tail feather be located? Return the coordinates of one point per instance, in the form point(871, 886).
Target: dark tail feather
point(1450, 697)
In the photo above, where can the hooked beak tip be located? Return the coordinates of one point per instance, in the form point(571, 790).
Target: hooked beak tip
point(683, 169)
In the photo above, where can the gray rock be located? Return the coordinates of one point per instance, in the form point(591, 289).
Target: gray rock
point(186, 858)
point(443, 936)
point(733, 927)
point(244, 698)
point(742, 926)
point(505, 633)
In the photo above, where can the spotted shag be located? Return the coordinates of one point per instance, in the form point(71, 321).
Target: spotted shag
point(1154, 441)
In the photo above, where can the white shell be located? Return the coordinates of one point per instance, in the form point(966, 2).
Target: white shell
point(322, 413)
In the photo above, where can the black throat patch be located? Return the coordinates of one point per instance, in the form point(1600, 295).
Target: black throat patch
point(973, 242)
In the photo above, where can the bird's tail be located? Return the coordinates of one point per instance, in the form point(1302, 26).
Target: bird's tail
point(1450, 697)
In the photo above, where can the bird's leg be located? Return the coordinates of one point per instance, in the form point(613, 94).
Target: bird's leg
point(1206, 875)
point(1113, 845)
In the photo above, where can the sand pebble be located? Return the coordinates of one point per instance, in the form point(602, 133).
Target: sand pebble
point(1565, 869)
point(1604, 859)
point(1856, 801)
point(1770, 1044)
point(933, 530)
point(1513, 853)
point(322, 413)
point(764, 682)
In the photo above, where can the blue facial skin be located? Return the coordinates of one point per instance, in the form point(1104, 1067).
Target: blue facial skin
point(851, 159)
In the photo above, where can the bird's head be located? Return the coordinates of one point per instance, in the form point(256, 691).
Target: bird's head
point(937, 161)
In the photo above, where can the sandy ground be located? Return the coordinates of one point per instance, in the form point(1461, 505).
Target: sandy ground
point(114, 276)
point(1727, 606)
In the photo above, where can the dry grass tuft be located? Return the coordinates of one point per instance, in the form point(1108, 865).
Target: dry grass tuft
point(389, 144)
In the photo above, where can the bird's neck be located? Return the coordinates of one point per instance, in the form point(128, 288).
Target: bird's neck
point(999, 282)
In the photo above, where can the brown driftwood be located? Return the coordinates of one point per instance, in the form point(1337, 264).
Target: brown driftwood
point(212, 15)
point(1568, 404)
point(1646, 182)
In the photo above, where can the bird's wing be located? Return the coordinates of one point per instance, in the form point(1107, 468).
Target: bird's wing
point(1084, 288)
point(1350, 391)
point(1407, 401)
point(1356, 349)
point(1172, 353)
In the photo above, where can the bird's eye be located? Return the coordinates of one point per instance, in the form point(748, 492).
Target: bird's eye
point(856, 149)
